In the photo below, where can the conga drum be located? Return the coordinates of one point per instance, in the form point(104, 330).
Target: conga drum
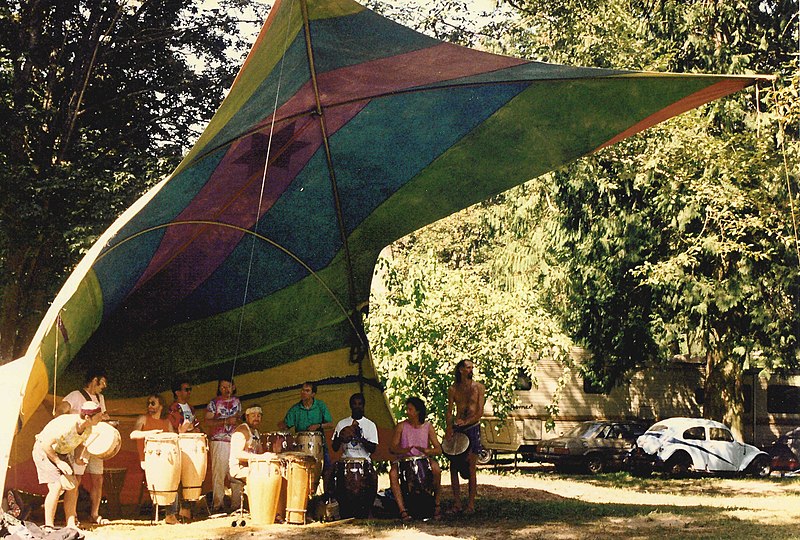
point(264, 483)
point(416, 483)
point(104, 441)
point(279, 442)
point(162, 467)
point(299, 472)
point(356, 487)
point(311, 443)
point(194, 462)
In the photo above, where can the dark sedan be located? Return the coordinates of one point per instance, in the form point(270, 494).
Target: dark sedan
point(785, 452)
point(593, 446)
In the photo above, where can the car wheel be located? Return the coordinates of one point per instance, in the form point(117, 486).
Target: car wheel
point(485, 456)
point(594, 464)
point(760, 467)
point(679, 465)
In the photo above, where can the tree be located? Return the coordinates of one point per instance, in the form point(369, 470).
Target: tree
point(100, 98)
point(435, 306)
point(681, 240)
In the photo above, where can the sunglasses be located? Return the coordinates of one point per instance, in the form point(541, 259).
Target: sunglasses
point(152, 402)
point(186, 389)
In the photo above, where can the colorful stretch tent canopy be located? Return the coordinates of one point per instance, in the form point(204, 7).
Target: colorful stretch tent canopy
point(343, 132)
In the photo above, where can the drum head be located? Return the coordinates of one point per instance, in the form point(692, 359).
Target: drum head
point(456, 445)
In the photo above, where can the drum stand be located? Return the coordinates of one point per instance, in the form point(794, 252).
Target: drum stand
point(241, 522)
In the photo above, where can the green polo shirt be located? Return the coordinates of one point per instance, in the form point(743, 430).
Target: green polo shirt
point(301, 418)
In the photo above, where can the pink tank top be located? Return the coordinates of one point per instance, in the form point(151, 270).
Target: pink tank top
point(411, 436)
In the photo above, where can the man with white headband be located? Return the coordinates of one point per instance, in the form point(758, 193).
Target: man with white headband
point(245, 442)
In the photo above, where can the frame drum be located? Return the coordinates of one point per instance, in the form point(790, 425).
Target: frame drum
point(194, 463)
point(104, 442)
point(299, 472)
point(162, 467)
point(264, 483)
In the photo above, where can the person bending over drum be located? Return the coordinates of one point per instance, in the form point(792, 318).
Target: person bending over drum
point(414, 438)
point(150, 424)
point(245, 443)
point(56, 450)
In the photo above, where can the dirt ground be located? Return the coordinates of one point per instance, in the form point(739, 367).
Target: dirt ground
point(525, 504)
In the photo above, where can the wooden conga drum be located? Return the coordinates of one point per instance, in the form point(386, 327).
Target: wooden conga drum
point(311, 443)
point(162, 467)
point(194, 463)
point(299, 473)
point(104, 441)
point(356, 487)
point(264, 483)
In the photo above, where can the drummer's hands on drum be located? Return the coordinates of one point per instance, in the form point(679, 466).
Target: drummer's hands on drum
point(185, 426)
point(347, 434)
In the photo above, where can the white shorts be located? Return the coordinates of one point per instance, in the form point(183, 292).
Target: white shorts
point(95, 466)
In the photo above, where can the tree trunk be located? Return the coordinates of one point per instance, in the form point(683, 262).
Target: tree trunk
point(724, 400)
point(32, 276)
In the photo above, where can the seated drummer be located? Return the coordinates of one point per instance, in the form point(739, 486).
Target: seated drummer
point(245, 443)
point(310, 414)
point(149, 424)
point(357, 433)
point(415, 437)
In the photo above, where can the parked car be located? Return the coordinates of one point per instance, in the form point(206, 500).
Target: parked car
point(594, 446)
point(785, 452)
point(678, 446)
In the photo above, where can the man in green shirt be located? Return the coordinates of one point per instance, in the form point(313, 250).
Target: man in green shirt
point(310, 414)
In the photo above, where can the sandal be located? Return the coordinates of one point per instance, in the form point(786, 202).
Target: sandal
point(99, 520)
point(404, 516)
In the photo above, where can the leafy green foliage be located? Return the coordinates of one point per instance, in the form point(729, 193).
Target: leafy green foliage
point(99, 101)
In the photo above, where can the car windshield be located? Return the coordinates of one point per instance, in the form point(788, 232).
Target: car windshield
point(584, 430)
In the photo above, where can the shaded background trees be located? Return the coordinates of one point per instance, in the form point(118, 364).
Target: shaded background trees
point(99, 100)
point(681, 240)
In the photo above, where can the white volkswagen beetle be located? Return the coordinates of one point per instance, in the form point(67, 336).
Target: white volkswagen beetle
point(679, 446)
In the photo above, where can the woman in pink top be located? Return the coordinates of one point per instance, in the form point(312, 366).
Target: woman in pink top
point(415, 437)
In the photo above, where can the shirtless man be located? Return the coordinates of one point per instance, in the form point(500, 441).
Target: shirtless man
point(465, 400)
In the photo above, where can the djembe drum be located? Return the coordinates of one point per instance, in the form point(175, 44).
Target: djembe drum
point(104, 441)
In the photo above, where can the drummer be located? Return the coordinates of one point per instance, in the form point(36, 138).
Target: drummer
point(310, 414)
point(246, 443)
point(180, 411)
point(152, 423)
point(56, 451)
point(415, 437)
point(357, 433)
point(95, 383)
